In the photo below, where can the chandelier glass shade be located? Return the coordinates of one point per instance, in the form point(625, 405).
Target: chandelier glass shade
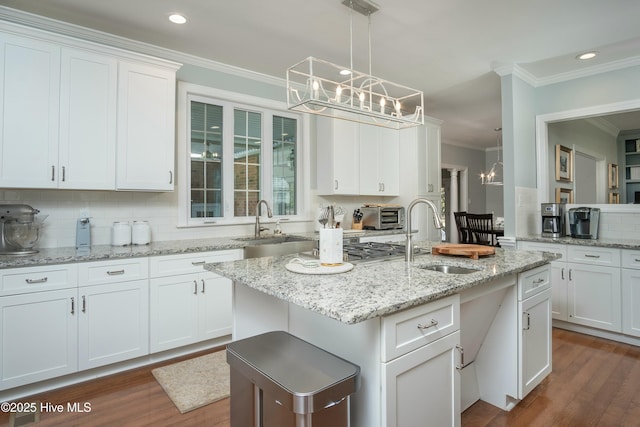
point(320, 87)
point(495, 175)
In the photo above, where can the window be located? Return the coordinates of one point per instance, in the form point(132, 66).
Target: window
point(237, 153)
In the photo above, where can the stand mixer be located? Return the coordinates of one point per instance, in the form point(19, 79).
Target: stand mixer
point(19, 230)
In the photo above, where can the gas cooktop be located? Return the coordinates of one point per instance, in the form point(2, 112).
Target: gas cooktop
point(371, 251)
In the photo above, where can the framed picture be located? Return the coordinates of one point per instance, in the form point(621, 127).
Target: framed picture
point(614, 198)
point(564, 195)
point(613, 176)
point(564, 163)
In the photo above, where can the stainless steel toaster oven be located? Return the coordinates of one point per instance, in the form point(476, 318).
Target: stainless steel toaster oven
point(382, 217)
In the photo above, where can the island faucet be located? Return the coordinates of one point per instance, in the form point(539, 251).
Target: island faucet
point(437, 222)
point(269, 214)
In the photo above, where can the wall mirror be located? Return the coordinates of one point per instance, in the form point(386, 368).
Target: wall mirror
point(598, 141)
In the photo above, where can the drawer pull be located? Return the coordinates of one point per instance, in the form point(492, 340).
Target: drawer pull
point(536, 283)
point(194, 263)
point(32, 281)
point(591, 256)
point(430, 325)
point(636, 259)
point(115, 272)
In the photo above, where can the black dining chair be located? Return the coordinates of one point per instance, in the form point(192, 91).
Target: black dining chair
point(481, 226)
point(463, 229)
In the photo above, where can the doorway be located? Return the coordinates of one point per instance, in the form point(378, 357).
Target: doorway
point(455, 184)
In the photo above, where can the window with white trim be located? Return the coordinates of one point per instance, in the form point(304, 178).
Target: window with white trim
point(238, 154)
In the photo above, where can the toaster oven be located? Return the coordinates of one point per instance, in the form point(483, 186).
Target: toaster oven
point(382, 217)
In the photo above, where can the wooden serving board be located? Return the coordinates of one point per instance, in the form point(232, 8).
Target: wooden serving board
point(472, 251)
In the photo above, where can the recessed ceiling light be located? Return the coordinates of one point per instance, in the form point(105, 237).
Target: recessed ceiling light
point(176, 18)
point(586, 55)
point(345, 72)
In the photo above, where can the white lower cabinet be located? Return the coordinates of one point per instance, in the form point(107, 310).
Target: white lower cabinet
point(631, 292)
point(586, 284)
point(534, 342)
point(191, 307)
point(113, 323)
point(39, 334)
point(412, 400)
point(113, 311)
point(595, 296)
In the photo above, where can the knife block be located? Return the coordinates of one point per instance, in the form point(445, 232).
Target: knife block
point(356, 226)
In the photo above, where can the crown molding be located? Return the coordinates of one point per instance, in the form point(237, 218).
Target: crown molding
point(603, 125)
point(71, 30)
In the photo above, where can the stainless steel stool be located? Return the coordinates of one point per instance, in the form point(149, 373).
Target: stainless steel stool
point(279, 380)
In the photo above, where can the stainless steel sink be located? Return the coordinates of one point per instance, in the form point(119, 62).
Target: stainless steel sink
point(450, 269)
point(276, 245)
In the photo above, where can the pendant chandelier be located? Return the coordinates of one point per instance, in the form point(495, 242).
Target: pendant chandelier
point(496, 173)
point(320, 87)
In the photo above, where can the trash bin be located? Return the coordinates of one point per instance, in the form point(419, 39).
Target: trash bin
point(279, 380)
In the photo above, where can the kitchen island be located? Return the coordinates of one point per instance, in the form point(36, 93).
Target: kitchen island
point(428, 343)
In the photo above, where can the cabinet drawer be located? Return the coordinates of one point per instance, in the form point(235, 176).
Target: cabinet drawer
point(534, 281)
point(631, 259)
point(554, 248)
point(172, 265)
point(122, 270)
point(410, 329)
point(36, 279)
point(594, 255)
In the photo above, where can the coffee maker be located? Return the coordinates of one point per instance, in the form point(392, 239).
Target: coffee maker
point(553, 224)
point(583, 222)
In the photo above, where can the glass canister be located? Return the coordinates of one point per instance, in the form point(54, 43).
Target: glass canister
point(140, 233)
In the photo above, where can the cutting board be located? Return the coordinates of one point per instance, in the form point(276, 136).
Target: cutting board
point(472, 251)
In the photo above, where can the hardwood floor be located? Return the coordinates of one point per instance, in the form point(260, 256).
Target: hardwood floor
point(595, 382)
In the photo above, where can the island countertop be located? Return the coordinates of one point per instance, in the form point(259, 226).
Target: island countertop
point(374, 289)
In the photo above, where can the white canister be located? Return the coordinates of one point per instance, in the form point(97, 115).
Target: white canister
point(120, 233)
point(140, 233)
point(331, 246)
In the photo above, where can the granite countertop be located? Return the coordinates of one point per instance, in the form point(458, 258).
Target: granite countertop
point(48, 256)
point(374, 289)
point(567, 240)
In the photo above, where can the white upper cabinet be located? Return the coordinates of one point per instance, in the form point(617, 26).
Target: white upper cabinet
point(30, 94)
point(433, 157)
point(146, 127)
point(87, 154)
point(357, 159)
point(379, 161)
point(78, 115)
point(337, 156)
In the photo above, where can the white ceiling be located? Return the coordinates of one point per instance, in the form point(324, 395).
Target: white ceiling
point(447, 48)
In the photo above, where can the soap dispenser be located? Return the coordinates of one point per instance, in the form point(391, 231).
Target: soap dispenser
point(83, 234)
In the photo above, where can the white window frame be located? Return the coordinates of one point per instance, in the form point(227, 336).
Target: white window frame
point(229, 101)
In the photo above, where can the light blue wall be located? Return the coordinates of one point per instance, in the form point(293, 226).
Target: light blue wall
point(232, 83)
point(475, 161)
point(521, 102)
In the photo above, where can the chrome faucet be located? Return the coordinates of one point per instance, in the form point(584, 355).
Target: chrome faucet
point(269, 214)
point(437, 222)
